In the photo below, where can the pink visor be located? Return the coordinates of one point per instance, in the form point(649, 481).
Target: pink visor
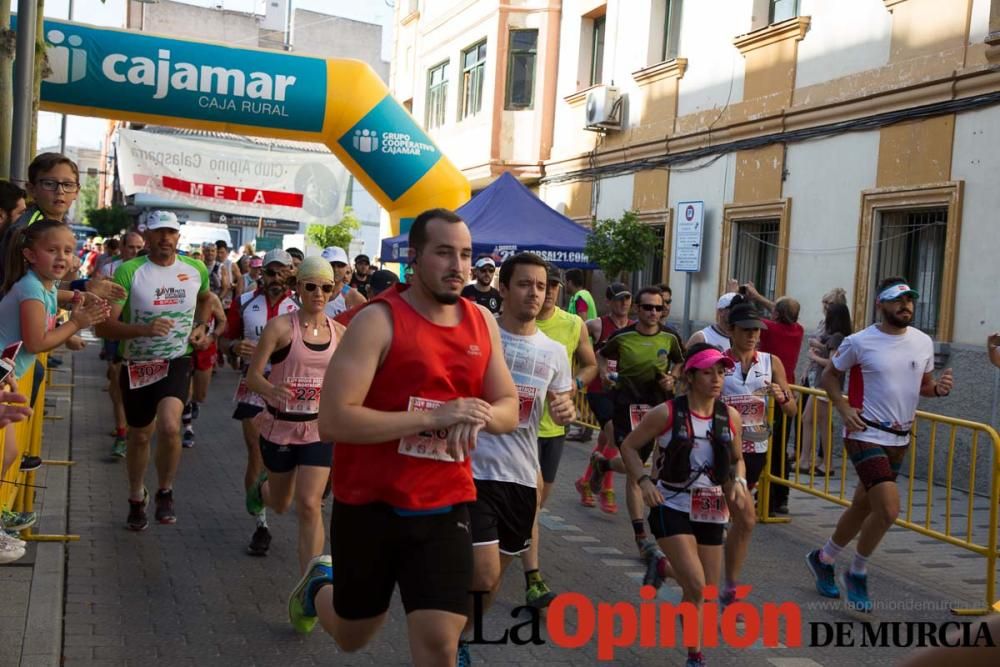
point(256, 263)
point(707, 359)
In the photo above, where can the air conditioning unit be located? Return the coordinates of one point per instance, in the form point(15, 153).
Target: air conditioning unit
point(604, 108)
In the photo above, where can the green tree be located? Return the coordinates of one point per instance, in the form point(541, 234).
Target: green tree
point(87, 201)
point(339, 235)
point(620, 245)
point(108, 221)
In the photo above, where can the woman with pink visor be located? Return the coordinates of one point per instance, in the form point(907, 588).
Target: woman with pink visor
point(697, 467)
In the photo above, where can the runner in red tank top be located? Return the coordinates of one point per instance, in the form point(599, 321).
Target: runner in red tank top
point(426, 374)
point(600, 329)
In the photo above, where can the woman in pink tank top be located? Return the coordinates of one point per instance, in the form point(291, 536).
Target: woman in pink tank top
point(298, 346)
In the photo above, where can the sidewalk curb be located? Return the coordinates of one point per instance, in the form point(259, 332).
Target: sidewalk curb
point(43, 636)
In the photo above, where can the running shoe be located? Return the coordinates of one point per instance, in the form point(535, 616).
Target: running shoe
point(464, 657)
point(694, 662)
point(29, 463)
point(608, 503)
point(260, 542)
point(118, 448)
point(254, 497)
point(187, 441)
point(17, 521)
point(856, 586)
point(586, 497)
point(165, 506)
point(598, 466)
point(10, 550)
point(648, 548)
point(137, 513)
point(656, 572)
point(11, 535)
point(826, 585)
point(301, 608)
point(539, 595)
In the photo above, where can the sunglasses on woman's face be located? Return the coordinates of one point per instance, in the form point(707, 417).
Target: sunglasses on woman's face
point(649, 307)
point(311, 287)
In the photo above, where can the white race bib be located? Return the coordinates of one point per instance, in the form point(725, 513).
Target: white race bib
point(636, 412)
point(708, 505)
point(144, 373)
point(428, 444)
point(305, 395)
point(525, 403)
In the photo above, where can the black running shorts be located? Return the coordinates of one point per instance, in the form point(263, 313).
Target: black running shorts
point(141, 404)
point(285, 458)
point(504, 513)
point(666, 522)
point(754, 463)
point(622, 422)
point(550, 452)
point(246, 411)
point(375, 548)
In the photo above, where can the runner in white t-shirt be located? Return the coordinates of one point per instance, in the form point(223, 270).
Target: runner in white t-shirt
point(162, 318)
point(505, 467)
point(890, 365)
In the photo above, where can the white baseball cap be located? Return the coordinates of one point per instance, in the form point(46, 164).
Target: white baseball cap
point(485, 261)
point(335, 254)
point(726, 300)
point(162, 220)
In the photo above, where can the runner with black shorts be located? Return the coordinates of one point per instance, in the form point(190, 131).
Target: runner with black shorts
point(297, 347)
point(505, 467)
point(245, 322)
point(162, 317)
point(568, 330)
point(890, 365)
point(426, 374)
point(754, 378)
point(598, 398)
point(697, 475)
point(649, 360)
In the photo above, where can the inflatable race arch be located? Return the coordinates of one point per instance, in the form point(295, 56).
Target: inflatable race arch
point(123, 75)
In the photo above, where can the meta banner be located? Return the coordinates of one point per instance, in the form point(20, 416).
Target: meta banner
point(227, 178)
point(133, 72)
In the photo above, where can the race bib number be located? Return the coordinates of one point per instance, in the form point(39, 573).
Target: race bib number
point(708, 505)
point(144, 373)
point(305, 395)
point(752, 409)
point(636, 412)
point(612, 365)
point(426, 444)
point(525, 403)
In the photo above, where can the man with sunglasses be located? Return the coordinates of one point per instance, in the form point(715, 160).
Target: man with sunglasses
point(649, 361)
point(246, 320)
point(482, 291)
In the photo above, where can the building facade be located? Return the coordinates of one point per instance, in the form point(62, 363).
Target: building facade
point(832, 143)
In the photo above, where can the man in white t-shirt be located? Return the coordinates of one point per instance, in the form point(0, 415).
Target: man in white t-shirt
point(505, 467)
point(890, 365)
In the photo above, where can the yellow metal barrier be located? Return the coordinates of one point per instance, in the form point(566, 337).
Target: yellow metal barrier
point(926, 425)
point(584, 416)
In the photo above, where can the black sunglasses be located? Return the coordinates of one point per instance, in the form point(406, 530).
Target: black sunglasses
point(668, 302)
point(648, 307)
point(271, 273)
point(311, 287)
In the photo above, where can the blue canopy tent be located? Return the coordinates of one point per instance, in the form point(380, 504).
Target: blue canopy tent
point(507, 218)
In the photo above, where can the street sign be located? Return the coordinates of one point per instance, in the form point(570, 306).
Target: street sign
point(690, 232)
point(265, 243)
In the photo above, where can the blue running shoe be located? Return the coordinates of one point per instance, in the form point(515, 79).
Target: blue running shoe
point(301, 609)
point(826, 585)
point(694, 662)
point(464, 657)
point(856, 586)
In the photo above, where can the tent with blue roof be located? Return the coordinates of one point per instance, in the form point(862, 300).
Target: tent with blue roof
point(506, 218)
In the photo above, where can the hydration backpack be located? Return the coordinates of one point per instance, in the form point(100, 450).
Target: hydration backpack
point(673, 462)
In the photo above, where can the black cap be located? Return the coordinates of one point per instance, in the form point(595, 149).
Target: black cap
point(618, 291)
point(555, 274)
point(745, 316)
point(381, 280)
point(363, 258)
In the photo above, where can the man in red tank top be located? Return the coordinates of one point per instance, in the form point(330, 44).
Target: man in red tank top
point(427, 374)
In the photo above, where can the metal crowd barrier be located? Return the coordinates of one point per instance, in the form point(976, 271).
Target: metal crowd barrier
point(17, 489)
point(947, 528)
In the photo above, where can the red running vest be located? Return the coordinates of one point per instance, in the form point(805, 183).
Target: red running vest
point(425, 361)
